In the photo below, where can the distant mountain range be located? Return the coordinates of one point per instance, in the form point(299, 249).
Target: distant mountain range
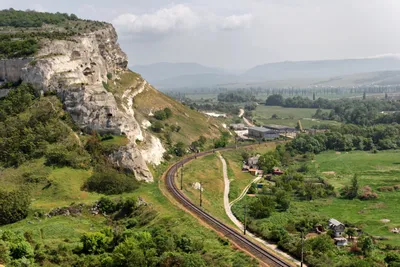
point(346, 72)
point(164, 70)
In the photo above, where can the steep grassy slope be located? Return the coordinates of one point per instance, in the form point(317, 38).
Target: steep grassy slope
point(193, 124)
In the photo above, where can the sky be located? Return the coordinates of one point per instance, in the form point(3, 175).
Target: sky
point(239, 34)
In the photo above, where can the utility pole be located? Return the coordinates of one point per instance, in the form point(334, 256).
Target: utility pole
point(201, 189)
point(244, 224)
point(182, 177)
point(302, 248)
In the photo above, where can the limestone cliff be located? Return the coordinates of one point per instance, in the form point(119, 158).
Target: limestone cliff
point(76, 69)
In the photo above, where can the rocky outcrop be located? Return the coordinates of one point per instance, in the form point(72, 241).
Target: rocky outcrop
point(11, 69)
point(76, 69)
point(79, 60)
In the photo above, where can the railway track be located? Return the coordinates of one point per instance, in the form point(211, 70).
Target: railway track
point(237, 238)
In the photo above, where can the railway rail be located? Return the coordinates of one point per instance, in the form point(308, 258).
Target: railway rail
point(239, 239)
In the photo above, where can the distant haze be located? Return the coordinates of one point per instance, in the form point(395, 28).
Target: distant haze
point(297, 73)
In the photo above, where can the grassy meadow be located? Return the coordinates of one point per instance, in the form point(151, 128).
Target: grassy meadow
point(287, 116)
point(374, 170)
point(208, 171)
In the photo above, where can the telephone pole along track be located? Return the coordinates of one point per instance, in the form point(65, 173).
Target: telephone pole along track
point(244, 243)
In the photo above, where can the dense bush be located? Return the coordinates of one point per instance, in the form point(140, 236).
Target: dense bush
point(348, 137)
point(164, 114)
point(109, 181)
point(26, 130)
point(180, 149)
point(16, 18)
point(17, 48)
point(61, 155)
point(14, 205)
point(222, 141)
point(157, 126)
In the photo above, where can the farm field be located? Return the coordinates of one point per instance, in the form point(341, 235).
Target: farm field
point(287, 116)
point(374, 170)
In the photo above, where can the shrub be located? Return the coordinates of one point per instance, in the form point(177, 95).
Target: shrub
point(107, 206)
point(107, 137)
point(21, 250)
point(106, 86)
point(94, 243)
point(157, 126)
point(180, 149)
point(366, 193)
point(160, 115)
point(59, 155)
point(109, 181)
point(168, 112)
point(109, 76)
point(252, 189)
point(13, 206)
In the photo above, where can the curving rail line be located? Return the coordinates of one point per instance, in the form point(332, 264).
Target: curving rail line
point(240, 240)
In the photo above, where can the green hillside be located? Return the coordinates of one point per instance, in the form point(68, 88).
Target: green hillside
point(52, 176)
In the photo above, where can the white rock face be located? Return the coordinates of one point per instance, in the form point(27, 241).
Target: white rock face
point(75, 69)
point(11, 69)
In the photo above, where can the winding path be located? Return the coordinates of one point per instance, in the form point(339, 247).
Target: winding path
point(238, 239)
point(248, 122)
point(227, 205)
point(245, 191)
point(241, 113)
point(228, 212)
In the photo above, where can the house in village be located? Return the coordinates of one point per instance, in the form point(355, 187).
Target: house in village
point(340, 241)
point(280, 128)
point(277, 171)
point(337, 227)
point(262, 133)
point(252, 162)
point(251, 166)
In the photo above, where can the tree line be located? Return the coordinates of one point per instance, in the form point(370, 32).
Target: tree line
point(362, 112)
point(27, 19)
point(348, 137)
point(236, 96)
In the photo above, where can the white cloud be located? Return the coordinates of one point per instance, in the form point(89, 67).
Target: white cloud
point(178, 18)
point(163, 21)
point(235, 22)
